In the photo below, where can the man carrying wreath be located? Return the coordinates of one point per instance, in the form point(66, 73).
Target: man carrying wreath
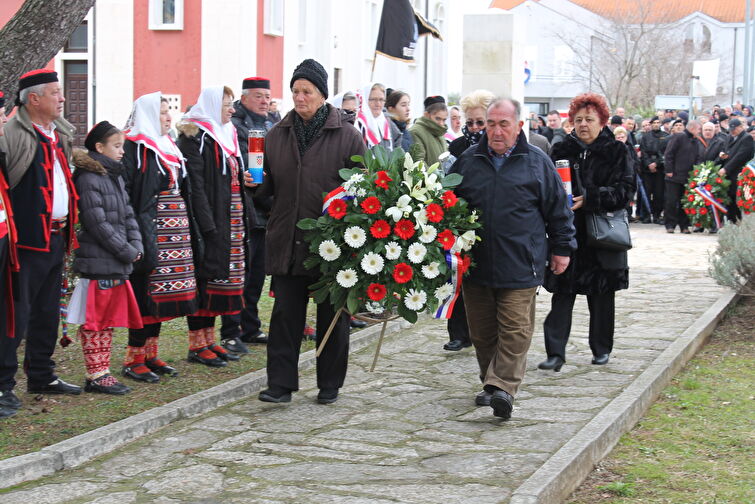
point(521, 198)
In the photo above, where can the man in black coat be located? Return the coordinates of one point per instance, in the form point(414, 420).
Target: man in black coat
point(652, 146)
point(684, 150)
point(715, 144)
point(739, 151)
point(251, 113)
point(526, 224)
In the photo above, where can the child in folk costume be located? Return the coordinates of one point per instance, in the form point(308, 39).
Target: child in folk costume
point(163, 280)
point(209, 142)
point(109, 244)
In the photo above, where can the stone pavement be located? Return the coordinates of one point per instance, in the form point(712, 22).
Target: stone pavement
point(409, 432)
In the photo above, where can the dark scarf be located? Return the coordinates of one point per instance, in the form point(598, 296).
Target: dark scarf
point(307, 131)
point(472, 138)
point(401, 125)
point(114, 168)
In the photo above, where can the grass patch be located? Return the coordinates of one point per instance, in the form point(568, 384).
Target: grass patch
point(695, 443)
point(47, 419)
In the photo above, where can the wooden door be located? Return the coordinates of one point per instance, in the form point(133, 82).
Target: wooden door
point(76, 93)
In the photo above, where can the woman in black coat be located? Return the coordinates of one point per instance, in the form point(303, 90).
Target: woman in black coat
point(604, 182)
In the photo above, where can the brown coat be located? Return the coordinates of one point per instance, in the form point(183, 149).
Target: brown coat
point(298, 183)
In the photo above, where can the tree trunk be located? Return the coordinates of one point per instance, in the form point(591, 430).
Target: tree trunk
point(34, 36)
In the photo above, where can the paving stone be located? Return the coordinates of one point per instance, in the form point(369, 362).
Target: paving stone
point(116, 498)
point(485, 466)
point(200, 480)
point(223, 423)
point(339, 472)
point(53, 493)
point(432, 494)
point(245, 458)
point(537, 437)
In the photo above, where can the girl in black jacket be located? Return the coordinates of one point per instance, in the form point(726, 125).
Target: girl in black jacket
point(109, 244)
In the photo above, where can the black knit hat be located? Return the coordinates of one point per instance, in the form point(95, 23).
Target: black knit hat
point(256, 83)
point(98, 133)
point(654, 118)
point(617, 120)
point(34, 78)
point(431, 100)
point(312, 71)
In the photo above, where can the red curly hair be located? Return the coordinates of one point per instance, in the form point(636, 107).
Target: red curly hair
point(590, 101)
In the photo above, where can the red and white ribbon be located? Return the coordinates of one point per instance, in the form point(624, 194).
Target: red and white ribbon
point(446, 308)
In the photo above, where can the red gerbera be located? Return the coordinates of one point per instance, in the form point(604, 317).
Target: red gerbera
point(464, 264)
point(376, 291)
point(703, 211)
point(404, 229)
point(446, 238)
point(371, 205)
point(383, 179)
point(719, 181)
point(402, 273)
point(698, 224)
point(337, 209)
point(692, 184)
point(449, 199)
point(708, 187)
point(380, 229)
point(691, 197)
point(434, 212)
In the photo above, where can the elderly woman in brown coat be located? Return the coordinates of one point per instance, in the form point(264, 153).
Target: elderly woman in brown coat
point(303, 154)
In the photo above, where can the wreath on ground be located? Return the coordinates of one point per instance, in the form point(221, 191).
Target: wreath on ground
point(393, 235)
point(706, 196)
point(746, 189)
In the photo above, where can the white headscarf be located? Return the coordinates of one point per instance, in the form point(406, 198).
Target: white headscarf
point(374, 129)
point(143, 127)
point(206, 114)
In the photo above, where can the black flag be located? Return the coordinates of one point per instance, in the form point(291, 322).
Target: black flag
point(400, 27)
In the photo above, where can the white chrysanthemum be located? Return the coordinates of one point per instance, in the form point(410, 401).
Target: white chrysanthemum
point(372, 263)
point(429, 233)
point(347, 278)
point(351, 185)
point(392, 251)
point(415, 300)
point(329, 250)
point(361, 192)
point(430, 270)
point(354, 236)
point(416, 252)
point(375, 307)
point(444, 291)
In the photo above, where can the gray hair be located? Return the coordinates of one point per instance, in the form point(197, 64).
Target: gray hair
point(39, 90)
point(500, 100)
point(692, 123)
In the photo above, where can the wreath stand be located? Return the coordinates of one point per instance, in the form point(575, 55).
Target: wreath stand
point(364, 319)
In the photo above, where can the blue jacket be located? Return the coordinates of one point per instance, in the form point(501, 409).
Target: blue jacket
point(524, 214)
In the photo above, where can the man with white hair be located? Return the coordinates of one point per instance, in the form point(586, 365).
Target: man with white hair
point(714, 144)
point(38, 143)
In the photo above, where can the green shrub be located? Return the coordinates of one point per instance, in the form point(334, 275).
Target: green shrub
point(733, 263)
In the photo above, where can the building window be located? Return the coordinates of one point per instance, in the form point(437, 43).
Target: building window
point(706, 43)
point(273, 17)
point(166, 14)
point(689, 37)
point(77, 42)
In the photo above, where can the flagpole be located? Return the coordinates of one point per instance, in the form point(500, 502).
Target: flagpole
point(372, 73)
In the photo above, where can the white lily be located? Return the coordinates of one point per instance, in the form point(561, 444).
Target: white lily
point(467, 240)
point(420, 216)
point(408, 162)
point(431, 181)
point(402, 206)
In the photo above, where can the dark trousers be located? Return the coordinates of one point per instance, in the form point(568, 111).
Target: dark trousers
point(458, 329)
point(654, 185)
point(733, 212)
point(674, 214)
point(37, 308)
point(138, 337)
point(557, 324)
point(4, 295)
point(286, 327)
point(247, 323)
point(196, 323)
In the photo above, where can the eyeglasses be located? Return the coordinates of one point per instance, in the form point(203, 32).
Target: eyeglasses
point(479, 124)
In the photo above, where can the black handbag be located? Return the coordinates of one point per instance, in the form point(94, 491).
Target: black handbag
point(606, 230)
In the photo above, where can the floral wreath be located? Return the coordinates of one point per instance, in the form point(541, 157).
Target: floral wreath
point(746, 188)
point(393, 235)
point(706, 196)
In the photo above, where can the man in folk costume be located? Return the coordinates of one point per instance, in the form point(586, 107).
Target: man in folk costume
point(8, 264)
point(251, 113)
point(38, 145)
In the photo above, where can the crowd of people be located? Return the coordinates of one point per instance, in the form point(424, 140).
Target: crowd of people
point(167, 225)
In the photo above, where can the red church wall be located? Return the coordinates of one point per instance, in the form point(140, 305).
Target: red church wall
point(269, 54)
point(168, 60)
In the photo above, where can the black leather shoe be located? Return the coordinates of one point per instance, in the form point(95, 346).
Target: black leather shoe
point(275, 396)
point(56, 387)
point(553, 363)
point(257, 338)
point(106, 384)
point(147, 376)
point(159, 367)
point(327, 396)
point(8, 399)
point(502, 404)
point(686, 231)
point(235, 345)
point(600, 360)
point(456, 345)
point(358, 324)
point(6, 412)
point(222, 354)
point(214, 362)
point(483, 398)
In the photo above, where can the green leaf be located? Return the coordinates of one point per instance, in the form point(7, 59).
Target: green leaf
point(346, 173)
point(451, 180)
point(320, 295)
point(352, 301)
point(407, 314)
point(318, 285)
point(311, 262)
point(357, 158)
point(339, 297)
point(307, 224)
